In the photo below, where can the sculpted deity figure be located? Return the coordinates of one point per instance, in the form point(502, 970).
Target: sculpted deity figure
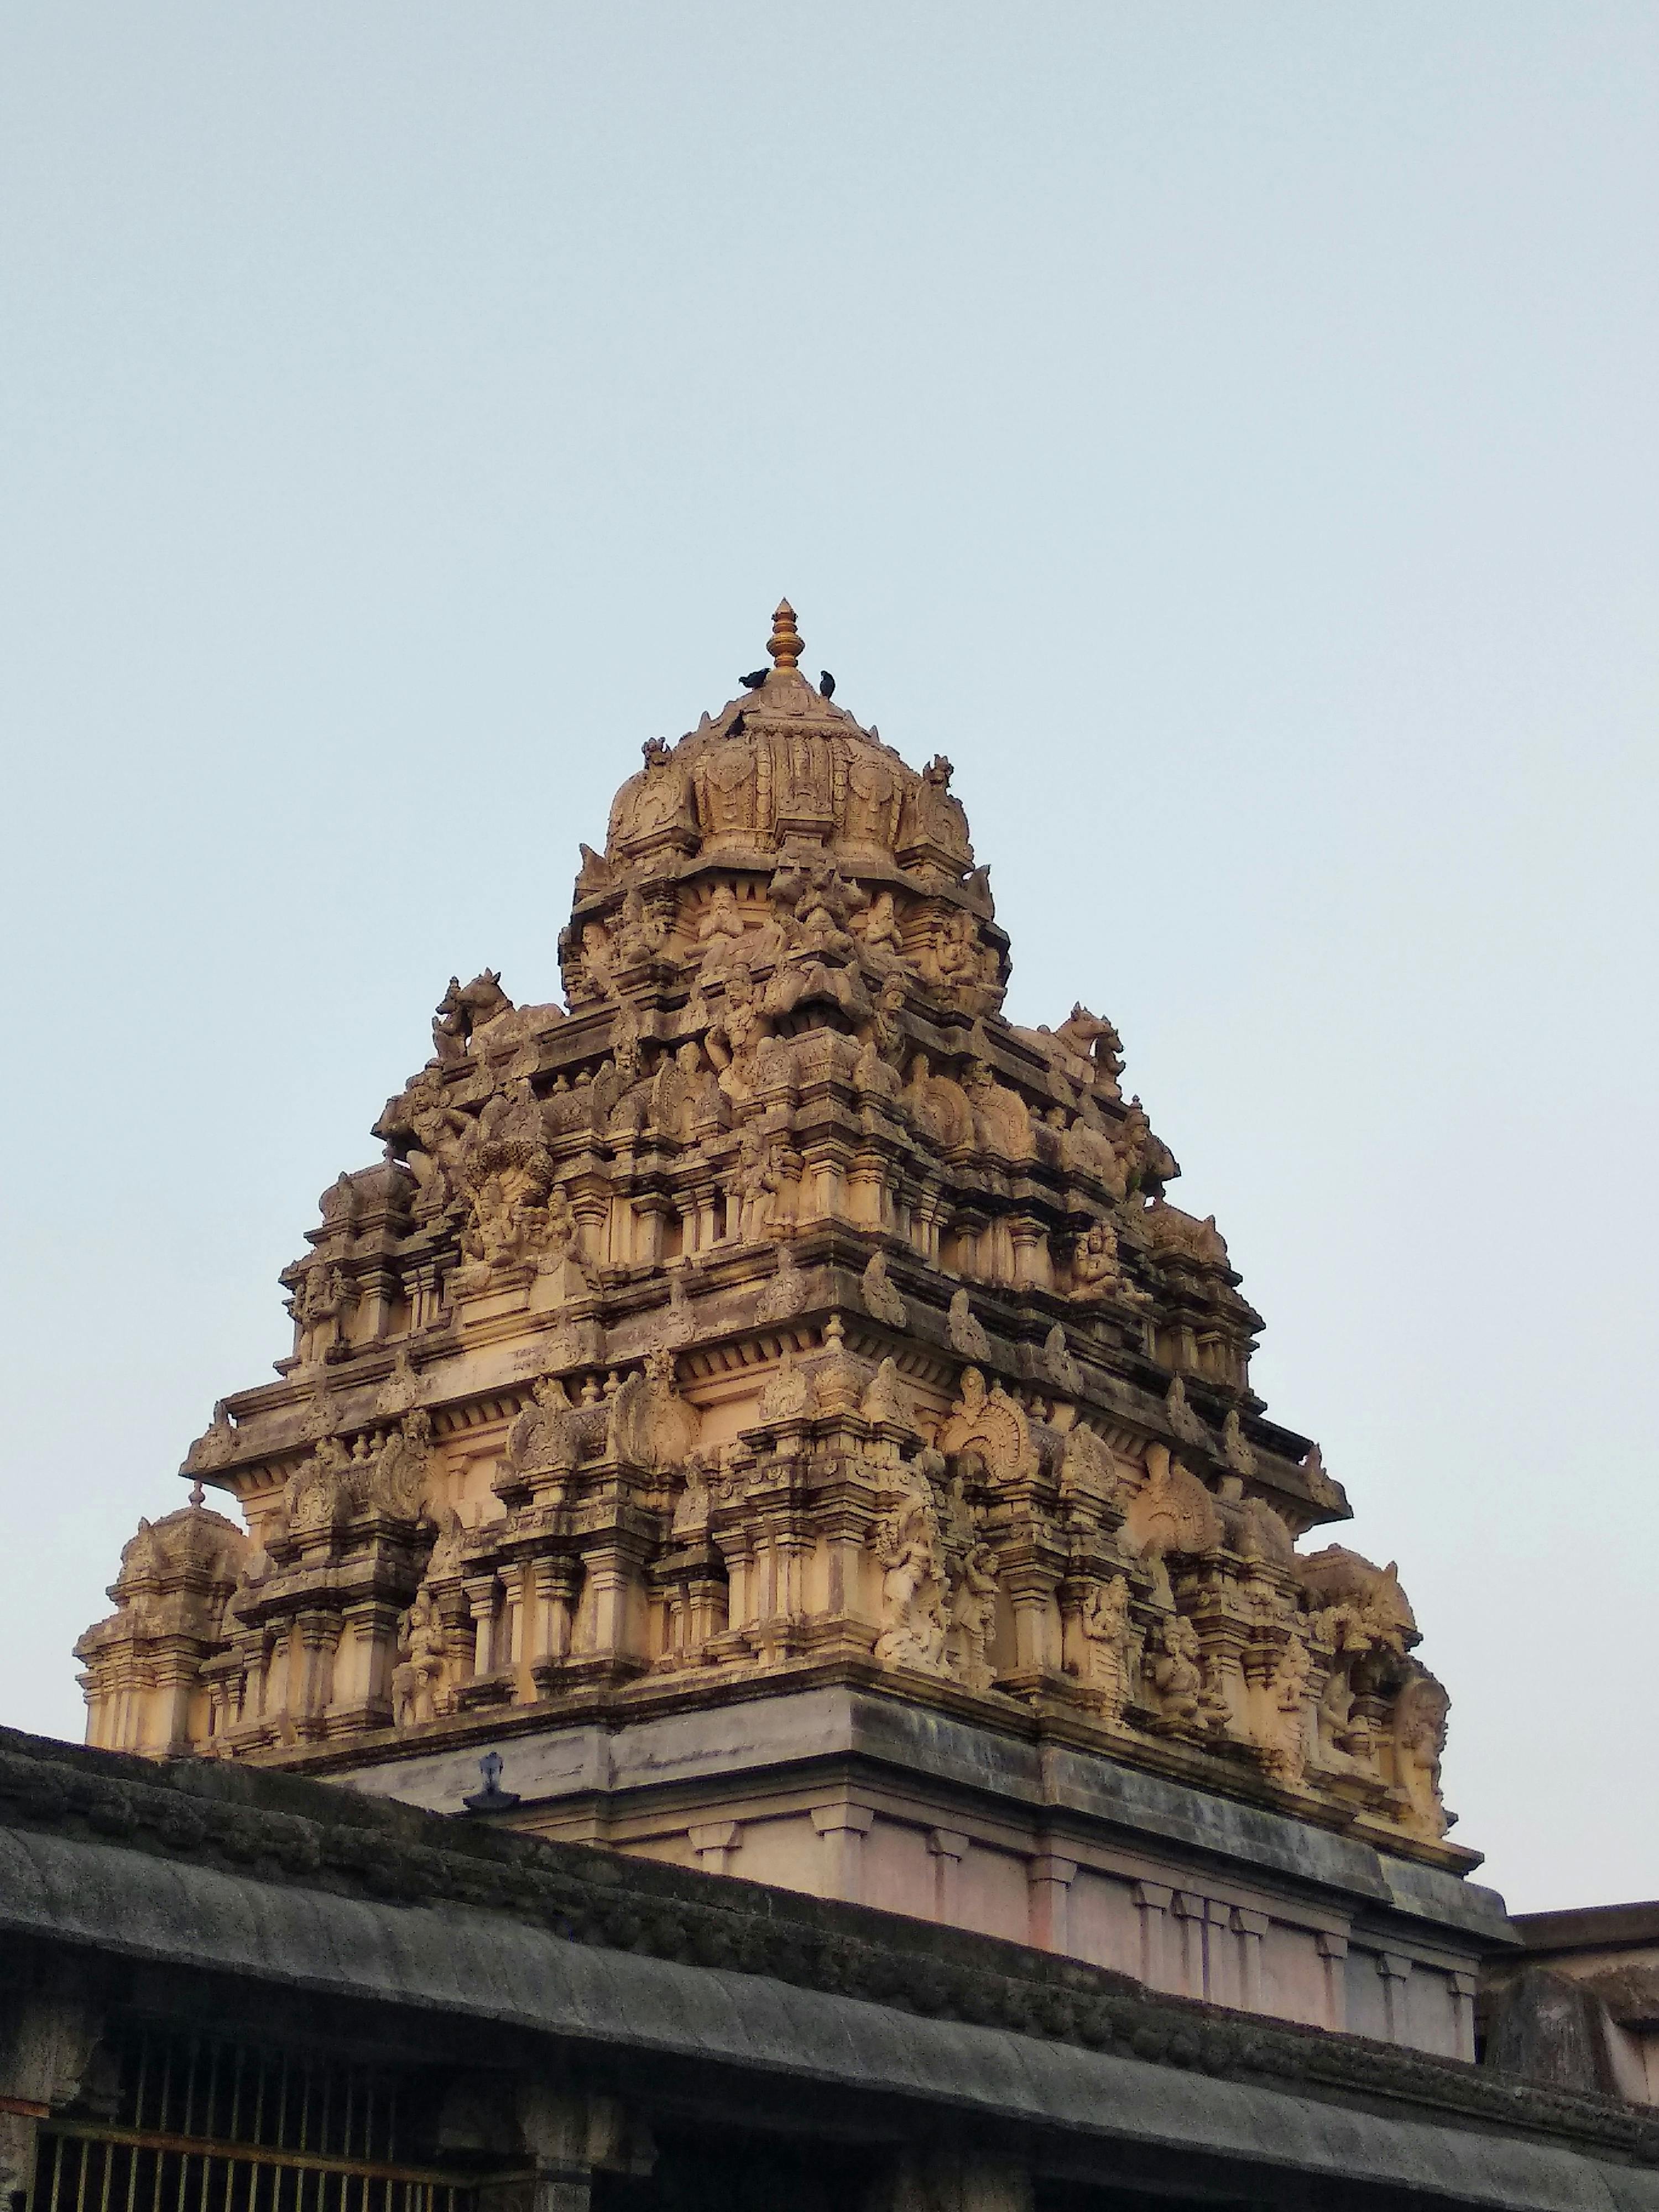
point(639, 933)
point(1108, 1645)
point(754, 1185)
point(1175, 1672)
point(973, 1615)
point(419, 1677)
point(735, 1037)
point(720, 931)
point(1285, 1753)
point(597, 959)
point(1420, 1740)
point(913, 1593)
point(1002, 1119)
point(1098, 1269)
point(878, 933)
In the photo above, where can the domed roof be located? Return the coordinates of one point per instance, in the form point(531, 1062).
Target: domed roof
point(783, 767)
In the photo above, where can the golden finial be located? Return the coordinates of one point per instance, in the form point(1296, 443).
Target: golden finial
point(785, 644)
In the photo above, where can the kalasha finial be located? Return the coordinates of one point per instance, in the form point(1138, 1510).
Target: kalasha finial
point(785, 644)
point(198, 1495)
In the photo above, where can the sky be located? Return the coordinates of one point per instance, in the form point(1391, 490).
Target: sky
point(1227, 431)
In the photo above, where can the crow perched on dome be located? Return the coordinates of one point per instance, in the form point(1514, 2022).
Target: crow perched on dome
point(827, 683)
point(753, 681)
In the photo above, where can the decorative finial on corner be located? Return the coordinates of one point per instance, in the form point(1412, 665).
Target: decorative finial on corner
point(785, 644)
point(198, 1495)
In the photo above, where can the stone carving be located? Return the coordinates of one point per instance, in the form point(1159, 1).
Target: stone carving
point(786, 1294)
point(1183, 1421)
point(1171, 1512)
point(1111, 1645)
point(906, 1542)
point(1097, 1270)
point(785, 975)
point(419, 1678)
point(1234, 1449)
point(965, 1334)
point(881, 1300)
point(464, 1009)
point(1058, 1364)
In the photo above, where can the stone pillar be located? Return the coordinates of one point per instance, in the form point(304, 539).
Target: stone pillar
point(1252, 1928)
point(948, 1848)
point(1462, 1998)
point(569, 2136)
point(957, 2179)
point(1153, 1904)
point(1395, 1969)
point(480, 1596)
point(843, 1828)
point(1333, 1953)
point(1188, 1909)
point(1050, 1880)
point(47, 2043)
point(714, 1841)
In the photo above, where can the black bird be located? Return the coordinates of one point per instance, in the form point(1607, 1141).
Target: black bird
point(753, 681)
point(827, 683)
point(734, 727)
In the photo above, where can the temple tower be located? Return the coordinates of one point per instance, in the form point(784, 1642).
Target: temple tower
point(768, 1409)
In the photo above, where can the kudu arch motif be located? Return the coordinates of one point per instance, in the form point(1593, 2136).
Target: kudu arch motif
point(773, 1302)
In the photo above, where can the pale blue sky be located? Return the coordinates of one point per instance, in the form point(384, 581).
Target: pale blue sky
point(1228, 431)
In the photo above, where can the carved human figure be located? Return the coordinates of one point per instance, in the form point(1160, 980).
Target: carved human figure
point(1108, 1645)
point(879, 934)
point(973, 1616)
point(1176, 1671)
point(735, 1037)
point(906, 1543)
point(419, 1675)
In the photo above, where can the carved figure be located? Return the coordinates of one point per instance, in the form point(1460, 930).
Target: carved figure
point(965, 1334)
point(913, 1593)
point(1176, 1671)
point(1109, 1642)
point(419, 1675)
point(973, 1614)
point(465, 1008)
point(881, 1300)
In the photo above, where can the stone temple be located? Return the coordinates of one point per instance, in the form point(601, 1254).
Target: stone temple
point(762, 1645)
point(772, 1403)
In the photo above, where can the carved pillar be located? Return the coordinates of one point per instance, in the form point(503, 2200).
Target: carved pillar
point(1462, 1998)
point(1189, 1912)
point(47, 2042)
point(1031, 1593)
point(516, 1626)
point(714, 1841)
point(1252, 1928)
point(1153, 1904)
point(1394, 1969)
point(1050, 1880)
point(371, 1629)
point(843, 1828)
point(554, 1581)
point(481, 1597)
point(1333, 1953)
point(569, 2136)
point(948, 1848)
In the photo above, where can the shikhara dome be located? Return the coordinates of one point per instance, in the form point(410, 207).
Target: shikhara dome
point(770, 1313)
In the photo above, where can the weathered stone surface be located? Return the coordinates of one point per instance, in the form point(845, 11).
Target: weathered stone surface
point(772, 1314)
